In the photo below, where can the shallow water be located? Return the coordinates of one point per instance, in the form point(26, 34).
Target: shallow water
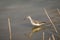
point(18, 9)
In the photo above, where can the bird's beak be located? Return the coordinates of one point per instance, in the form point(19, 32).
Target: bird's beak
point(25, 18)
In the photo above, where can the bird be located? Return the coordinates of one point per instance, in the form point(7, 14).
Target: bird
point(35, 22)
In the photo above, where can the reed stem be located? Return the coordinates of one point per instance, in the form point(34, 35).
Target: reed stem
point(53, 37)
point(50, 19)
point(49, 38)
point(43, 35)
point(58, 11)
point(9, 25)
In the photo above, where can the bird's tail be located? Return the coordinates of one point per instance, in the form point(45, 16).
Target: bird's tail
point(44, 22)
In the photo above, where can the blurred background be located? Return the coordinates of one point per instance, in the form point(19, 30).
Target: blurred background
point(18, 9)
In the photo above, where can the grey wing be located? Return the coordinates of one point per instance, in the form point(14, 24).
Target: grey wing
point(37, 22)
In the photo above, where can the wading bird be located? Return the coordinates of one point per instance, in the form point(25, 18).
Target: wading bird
point(35, 22)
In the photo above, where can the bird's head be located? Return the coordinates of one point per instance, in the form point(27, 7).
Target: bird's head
point(28, 17)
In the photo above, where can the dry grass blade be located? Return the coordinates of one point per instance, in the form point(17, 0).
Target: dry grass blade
point(9, 28)
point(58, 11)
point(53, 37)
point(50, 19)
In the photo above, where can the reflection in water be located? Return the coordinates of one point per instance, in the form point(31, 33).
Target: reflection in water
point(34, 30)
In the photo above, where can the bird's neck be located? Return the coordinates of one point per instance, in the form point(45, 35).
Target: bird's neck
point(31, 19)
